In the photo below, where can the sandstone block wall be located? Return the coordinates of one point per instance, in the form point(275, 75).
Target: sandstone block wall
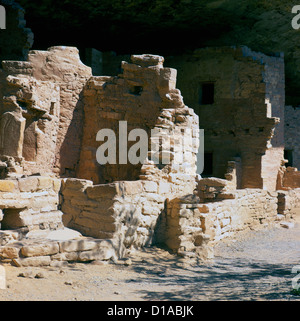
point(52, 110)
point(29, 122)
point(44, 99)
point(195, 227)
point(215, 189)
point(145, 96)
point(126, 212)
point(30, 203)
point(288, 178)
point(62, 66)
point(184, 233)
point(136, 207)
point(289, 203)
point(251, 208)
point(242, 118)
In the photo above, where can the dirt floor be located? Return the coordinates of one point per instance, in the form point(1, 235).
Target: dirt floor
point(255, 266)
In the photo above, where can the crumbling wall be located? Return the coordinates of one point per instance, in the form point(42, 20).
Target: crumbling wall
point(243, 102)
point(125, 212)
point(289, 203)
point(133, 208)
point(62, 66)
point(145, 97)
point(215, 189)
point(289, 178)
point(194, 228)
point(41, 113)
point(250, 209)
point(184, 233)
point(29, 121)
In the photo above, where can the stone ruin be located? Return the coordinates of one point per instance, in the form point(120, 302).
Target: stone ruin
point(58, 204)
point(51, 111)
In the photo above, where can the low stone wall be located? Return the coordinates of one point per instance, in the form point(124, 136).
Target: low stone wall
point(290, 178)
point(30, 202)
point(184, 233)
point(251, 208)
point(124, 212)
point(289, 203)
point(193, 227)
point(117, 216)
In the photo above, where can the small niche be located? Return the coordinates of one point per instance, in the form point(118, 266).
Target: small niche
point(136, 90)
point(22, 104)
point(11, 219)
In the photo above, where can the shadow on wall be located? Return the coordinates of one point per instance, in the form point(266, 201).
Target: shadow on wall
point(70, 148)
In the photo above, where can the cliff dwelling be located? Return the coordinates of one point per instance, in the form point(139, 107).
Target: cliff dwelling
point(57, 203)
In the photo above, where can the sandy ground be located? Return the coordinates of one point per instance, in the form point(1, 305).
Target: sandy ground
point(255, 266)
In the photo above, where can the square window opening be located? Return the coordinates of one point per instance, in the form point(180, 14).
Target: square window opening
point(207, 93)
point(288, 155)
point(208, 165)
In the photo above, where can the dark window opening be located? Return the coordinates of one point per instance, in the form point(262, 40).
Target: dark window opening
point(136, 90)
point(208, 164)
point(207, 94)
point(288, 155)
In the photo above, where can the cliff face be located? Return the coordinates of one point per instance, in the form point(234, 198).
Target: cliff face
point(267, 28)
point(16, 39)
point(169, 26)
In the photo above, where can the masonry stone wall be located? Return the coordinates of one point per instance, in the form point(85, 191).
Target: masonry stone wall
point(250, 209)
point(51, 112)
point(193, 228)
point(30, 203)
point(184, 233)
point(144, 96)
point(158, 106)
point(241, 119)
point(289, 203)
point(125, 212)
point(129, 213)
point(291, 134)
